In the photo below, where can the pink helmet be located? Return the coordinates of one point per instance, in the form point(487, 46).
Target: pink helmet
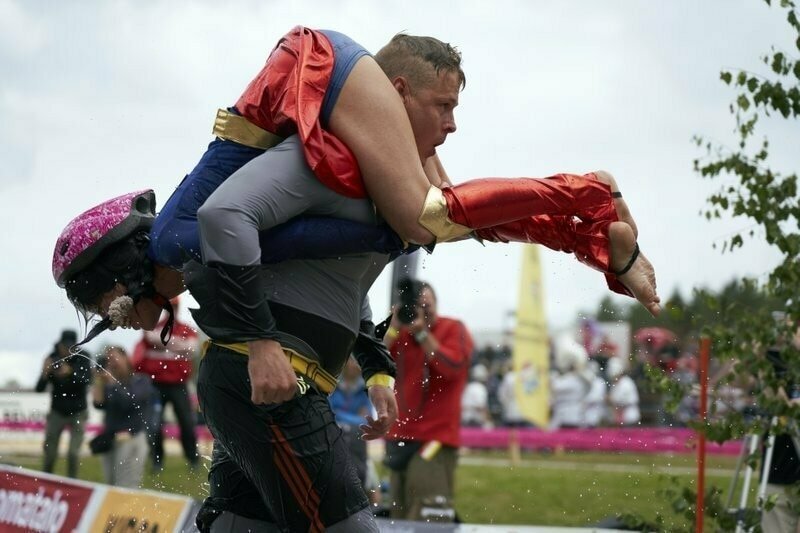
point(91, 232)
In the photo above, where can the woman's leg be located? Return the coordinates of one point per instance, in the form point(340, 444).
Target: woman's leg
point(576, 214)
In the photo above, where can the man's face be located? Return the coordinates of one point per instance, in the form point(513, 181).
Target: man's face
point(118, 364)
point(427, 306)
point(430, 109)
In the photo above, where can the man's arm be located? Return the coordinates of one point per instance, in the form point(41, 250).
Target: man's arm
point(44, 377)
point(379, 371)
point(82, 374)
point(372, 355)
point(389, 161)
point(435, 172)
point(450, 352)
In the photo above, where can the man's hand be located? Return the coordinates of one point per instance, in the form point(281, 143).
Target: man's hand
point(385, 404)
point(272, 378)
point(63, 369)
point(419, 324)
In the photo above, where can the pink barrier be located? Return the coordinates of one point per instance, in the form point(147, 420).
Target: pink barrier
point(638, 440)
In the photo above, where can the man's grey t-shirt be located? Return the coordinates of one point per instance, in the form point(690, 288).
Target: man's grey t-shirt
point(269, 190)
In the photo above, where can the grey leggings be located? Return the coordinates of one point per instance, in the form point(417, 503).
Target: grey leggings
point(269, 190)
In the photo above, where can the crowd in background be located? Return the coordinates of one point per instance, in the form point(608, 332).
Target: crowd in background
point(131, 392)
point(591, 384)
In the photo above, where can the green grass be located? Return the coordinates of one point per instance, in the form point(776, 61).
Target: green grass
point(176, 477)
point(571, 489)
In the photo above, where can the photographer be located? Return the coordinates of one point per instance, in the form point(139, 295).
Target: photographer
point(127, 400)
point(433, 360)
point(784, 471)
point(69, 376)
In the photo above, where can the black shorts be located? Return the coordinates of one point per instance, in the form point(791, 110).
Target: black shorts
point(293, 453)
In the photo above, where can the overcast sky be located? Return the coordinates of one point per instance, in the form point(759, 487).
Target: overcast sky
point(102, 98)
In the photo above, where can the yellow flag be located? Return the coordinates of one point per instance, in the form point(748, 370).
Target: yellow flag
point(531, 346)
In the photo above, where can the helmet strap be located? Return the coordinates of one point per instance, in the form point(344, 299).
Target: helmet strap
point(166, 332)
point(96, 330)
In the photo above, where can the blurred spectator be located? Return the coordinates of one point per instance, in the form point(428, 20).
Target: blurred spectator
point(603, 350)
point(127, 400)
point(69, 376)
point(169, 367)
point(475, 400)
point(506, 393)
point(686, 375)
point(433, 359)
point(569, 384)
point(623, 397)
point(595, 408)
point(651, 401)
point(784, 471)
point(493, 386)
point(350, 404)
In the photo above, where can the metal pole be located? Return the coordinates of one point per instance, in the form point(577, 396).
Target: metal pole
point(405, 266)
point(737, 471)
point(767, 466)
point(705, 350)
point(748, 475)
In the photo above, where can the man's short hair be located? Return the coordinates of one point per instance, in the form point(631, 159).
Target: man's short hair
point(409, 55)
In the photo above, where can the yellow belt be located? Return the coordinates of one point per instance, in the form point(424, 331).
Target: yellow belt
point(232, 127)
point(301, 364)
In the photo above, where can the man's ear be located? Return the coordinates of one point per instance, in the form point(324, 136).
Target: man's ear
point(402, 87)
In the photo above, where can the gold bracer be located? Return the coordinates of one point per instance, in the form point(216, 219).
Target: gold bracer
point(301, 364)
point(231, 127)
point(435, 218)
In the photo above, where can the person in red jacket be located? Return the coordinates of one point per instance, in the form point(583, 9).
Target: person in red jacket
point(170, 368)
point(433, 355)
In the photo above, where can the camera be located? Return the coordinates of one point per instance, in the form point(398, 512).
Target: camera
point(409, 291)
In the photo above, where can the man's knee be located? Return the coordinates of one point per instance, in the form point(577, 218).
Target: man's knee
point(214, 217)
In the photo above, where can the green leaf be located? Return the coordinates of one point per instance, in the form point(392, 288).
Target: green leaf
point(741, 78)
point(752, 84)
point(743, 102)
point(777, 62)
point(726, 76)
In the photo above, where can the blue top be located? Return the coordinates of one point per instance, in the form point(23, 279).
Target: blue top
point(349, 406)
point(128, 406)
point(345, 54)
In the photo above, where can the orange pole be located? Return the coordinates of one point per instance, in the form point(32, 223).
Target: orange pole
point(705, 352)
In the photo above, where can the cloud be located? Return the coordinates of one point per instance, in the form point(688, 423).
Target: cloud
point(22, 34)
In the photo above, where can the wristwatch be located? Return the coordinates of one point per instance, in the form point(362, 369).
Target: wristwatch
point(420, 336)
